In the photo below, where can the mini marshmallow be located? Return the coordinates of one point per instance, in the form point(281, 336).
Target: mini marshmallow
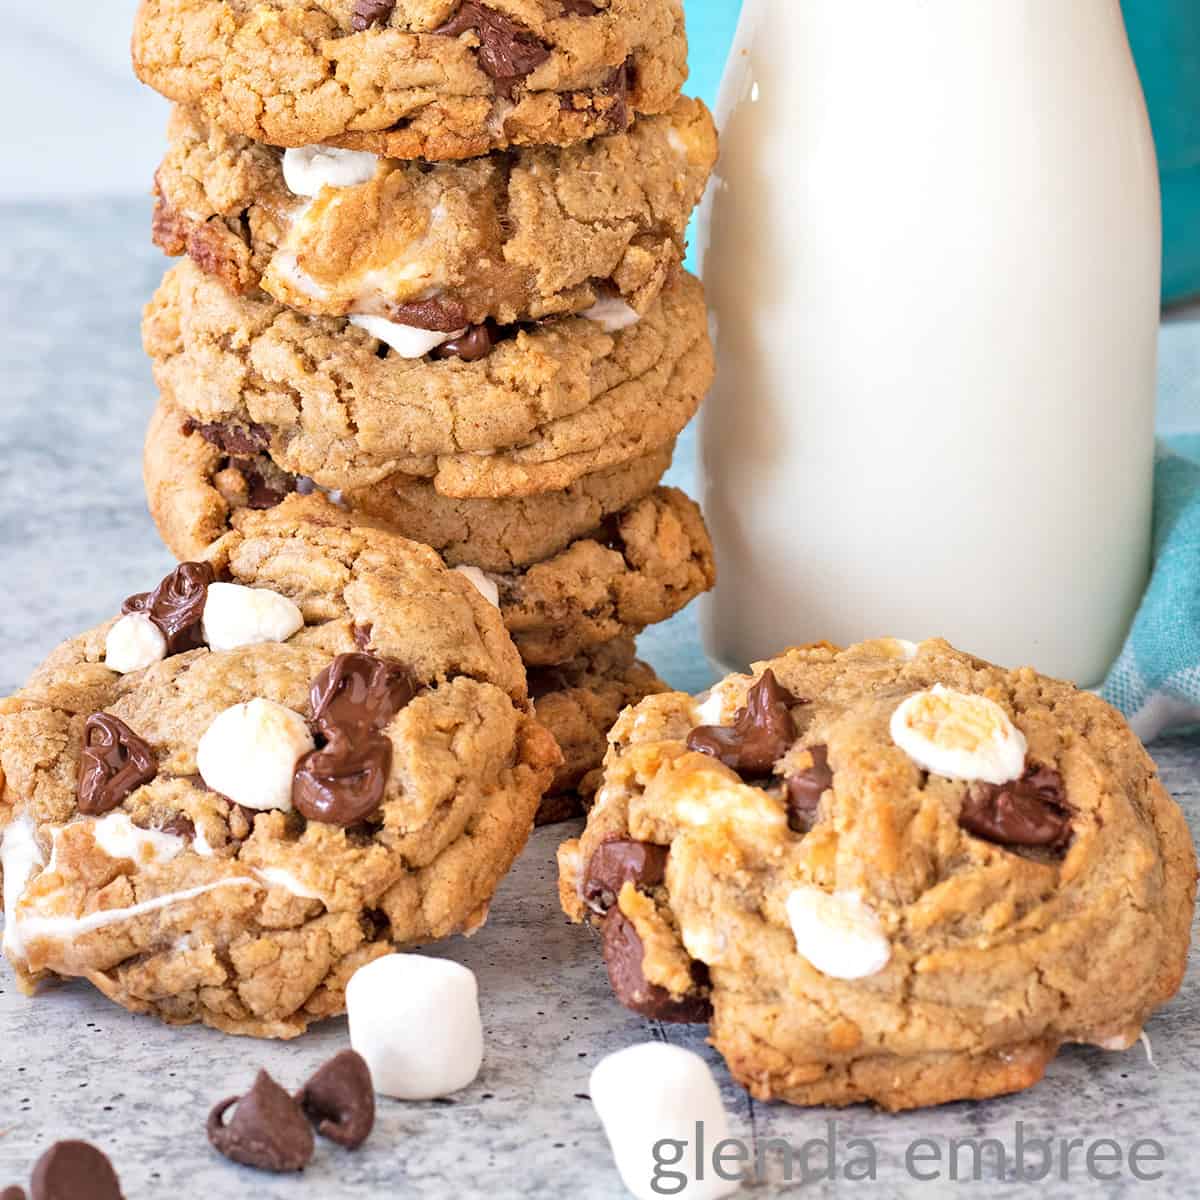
point(237, 616)
point(839, 934)
point(119, 837)
point(653, 1093)
point(407, 340)
point(612, 314)
point(249, 753)
point(416, 1021)
point(485, 585)
point(308, 169)
point(959, 735)
point(133, 644)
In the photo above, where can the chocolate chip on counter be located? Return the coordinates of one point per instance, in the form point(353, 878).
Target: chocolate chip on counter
point(507, 52)
point(437, 314)
point(370, 12)
point(113, 762)
point(760, 735)
point(359, 693)
point(1030, 811)
point(475, 344)
point(343, 782)
point(623, 953)
point(13, 1193)
point(340, 1100)
point(268, 1129)
point(176, 606)
point(805, 788)
point(74, 1171)
point(621, 861)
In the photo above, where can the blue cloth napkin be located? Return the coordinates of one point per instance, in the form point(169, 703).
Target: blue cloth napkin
point(1156, 681)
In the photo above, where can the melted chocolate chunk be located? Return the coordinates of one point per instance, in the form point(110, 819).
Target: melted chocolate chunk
point(760, 735)
point(1030, 811)
point(475, 344)
point(74, 1171)
point(804, 790)
point(340, 1100)
point(617, 86)
point(113, 763)
point(259, 493)
point(359, 693)
point(180, 825)
point(623, 953)
point(370, 12)
point(507, 51)
point(176, 606)
point(240, 440)
point(615, 863)
point(439, 315)
point(580, 8)
point(268, 1130)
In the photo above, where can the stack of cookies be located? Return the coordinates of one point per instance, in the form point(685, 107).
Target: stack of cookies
point(432, 275)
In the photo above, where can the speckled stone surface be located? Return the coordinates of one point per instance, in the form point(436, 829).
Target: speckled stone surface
point(75, 539)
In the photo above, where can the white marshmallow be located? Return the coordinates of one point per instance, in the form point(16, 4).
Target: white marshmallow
point(959, 735)
point(249, 753)
point(20, 857)
point(133, 644)
point(485, 585)
point(236, 616)
point(653, 1093)
point(416, 1021)
point(839, 934)
point(119, 837)
point(278, 877)
point(612, 314)
point(407, 340)
point(308, 169)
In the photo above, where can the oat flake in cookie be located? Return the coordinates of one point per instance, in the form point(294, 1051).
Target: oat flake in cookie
point(896, 874)
point(385, 759)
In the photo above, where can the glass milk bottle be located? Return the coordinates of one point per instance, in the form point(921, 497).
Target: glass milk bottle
point(933, 258)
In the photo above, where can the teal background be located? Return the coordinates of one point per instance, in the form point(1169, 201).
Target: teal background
point(1165, 35)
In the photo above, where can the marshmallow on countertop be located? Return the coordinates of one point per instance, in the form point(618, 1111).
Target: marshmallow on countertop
point(654, 1092)
point(485, 585)
point(308, 169)
point(249, 753)
point(133, 644)
point(408, 341)
point(839, 934)
point(416, 1021)
point(236, 616)
point(959, 736)
point(612, 314)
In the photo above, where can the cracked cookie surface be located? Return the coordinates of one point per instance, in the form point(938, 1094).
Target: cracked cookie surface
point(786, 856)
point(516, 237)
point(432, 79)
point(194, 487)
point(174, 900)
point(546, 407)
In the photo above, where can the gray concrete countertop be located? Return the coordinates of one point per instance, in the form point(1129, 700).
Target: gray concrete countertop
point(75, 539)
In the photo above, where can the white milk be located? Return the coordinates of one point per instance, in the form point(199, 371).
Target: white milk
point(933, 258)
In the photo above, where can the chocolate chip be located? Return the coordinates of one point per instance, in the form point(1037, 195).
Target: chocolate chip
point(475, 344)
point(580, 8)
point(240, 440)
point(260, 494)
point(114, 761)
point(74, 1171)
point(623, 953)
point(359, 693)
point(370, 12)
point(13, 1193)
point(176, 606)
point(621, 861)
point(180, 825)
point(344, 781)
point(268, 1129)
point(760, 735)
point(340, 1100)
point(1030, 811)
point(507, 51)
point(438, 314)
point(805, 788)
point(617, 87)
point(362, 635)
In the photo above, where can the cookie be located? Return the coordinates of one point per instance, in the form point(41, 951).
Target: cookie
point(430, 79)
point(579, 702)
point(507, 238)
point(317, 748)
point(893, 873)
point(548, 405)
point(194, 486)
